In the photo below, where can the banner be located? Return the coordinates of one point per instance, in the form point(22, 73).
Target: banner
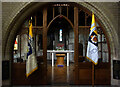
point(31, 63)
point(92, 48)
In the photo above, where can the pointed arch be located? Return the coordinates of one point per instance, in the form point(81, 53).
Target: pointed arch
point(56, 18)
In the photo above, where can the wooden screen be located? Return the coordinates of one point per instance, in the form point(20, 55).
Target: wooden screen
point(79, 19)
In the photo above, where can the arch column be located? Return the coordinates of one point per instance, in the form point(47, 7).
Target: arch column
point(45, 37)
point(76, 43)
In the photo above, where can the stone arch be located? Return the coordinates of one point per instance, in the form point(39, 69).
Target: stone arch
point(26, 10)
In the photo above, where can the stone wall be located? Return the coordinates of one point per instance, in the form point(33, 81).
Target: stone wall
point(0, 44)
point(111, 11)
point(9, 12)
point(14, 13)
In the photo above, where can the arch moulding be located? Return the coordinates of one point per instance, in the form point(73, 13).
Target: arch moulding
point(19, 18)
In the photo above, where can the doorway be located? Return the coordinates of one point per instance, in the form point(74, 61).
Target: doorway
point(60, 75)
point(72, 18)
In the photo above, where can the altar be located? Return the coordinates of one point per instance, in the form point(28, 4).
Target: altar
point(60, 51)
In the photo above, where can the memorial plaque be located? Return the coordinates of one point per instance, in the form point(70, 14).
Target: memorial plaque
point(116, 69)
point(5, 70)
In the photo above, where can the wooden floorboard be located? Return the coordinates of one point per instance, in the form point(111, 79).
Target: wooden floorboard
point(60, 75)
point(66, 86)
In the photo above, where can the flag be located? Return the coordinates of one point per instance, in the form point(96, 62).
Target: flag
point(16, 45)
point(31, 63)
point(92, 48)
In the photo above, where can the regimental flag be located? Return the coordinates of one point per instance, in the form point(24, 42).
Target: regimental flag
point(92, 48)
point(31, 63)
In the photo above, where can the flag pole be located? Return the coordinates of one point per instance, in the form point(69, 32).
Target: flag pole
point(93, 75)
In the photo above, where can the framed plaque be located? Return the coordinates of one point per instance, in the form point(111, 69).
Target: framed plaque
point(5, 70)
point(116, 69)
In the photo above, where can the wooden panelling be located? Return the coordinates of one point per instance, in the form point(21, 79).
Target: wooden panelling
point(19, 74)
point(85, 73)
point(102, 73)
point(102, 76)
point(85, 76)
point(85, 65)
